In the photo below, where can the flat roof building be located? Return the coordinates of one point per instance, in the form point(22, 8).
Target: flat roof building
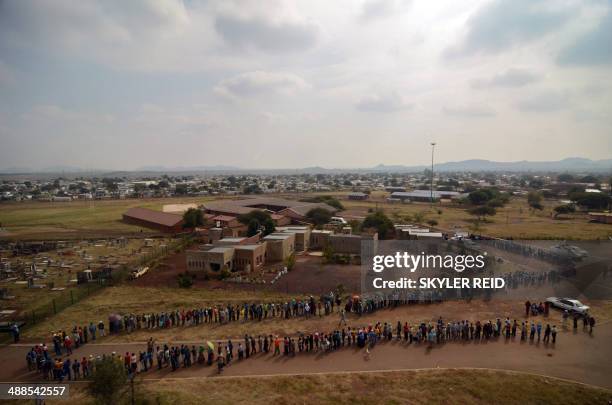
point(279, 246)
point(425, 195)
point(358, 196)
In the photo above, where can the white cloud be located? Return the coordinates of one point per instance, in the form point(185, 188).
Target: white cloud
point(469, 111)
point(500, 24)
point(544, 102)
point(377, 9)
point(513, 77)
point(260, 82)
point(255, 32)
point(385, 103)
point(155, 74)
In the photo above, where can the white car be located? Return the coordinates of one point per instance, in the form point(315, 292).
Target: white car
point(338, 221)
point(572, 306)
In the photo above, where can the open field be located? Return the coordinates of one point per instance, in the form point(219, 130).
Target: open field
point(82, 219)
point(515, 220)
point(446, 386)
point(76, 219)
point(425, 387)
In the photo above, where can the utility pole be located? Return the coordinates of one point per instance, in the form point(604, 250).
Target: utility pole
point(433, 145)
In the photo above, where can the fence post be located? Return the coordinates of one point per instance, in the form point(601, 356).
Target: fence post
point(54, 307)
point(71, 298)
point(33, 317)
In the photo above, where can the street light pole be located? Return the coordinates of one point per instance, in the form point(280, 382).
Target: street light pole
point(433, 145)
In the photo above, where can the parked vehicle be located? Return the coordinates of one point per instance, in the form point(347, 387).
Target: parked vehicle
point(338, 221)
point(571, 305)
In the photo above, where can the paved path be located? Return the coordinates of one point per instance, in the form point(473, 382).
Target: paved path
point(579, 357)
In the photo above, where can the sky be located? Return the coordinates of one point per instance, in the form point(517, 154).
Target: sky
point(122, 85)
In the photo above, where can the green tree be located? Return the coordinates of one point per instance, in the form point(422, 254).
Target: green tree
point(593, 201)
point(534, 199)
point(290, 262)
point(327, 199)
point(564, 209)
point(482, 211)
point(478, 197)
point(252, 189)
point(318, 216)
point(253, 227)
point(185, 280)
point(193, 218)
point(181, 189)
point(263, 219)
point(379, 221)
point(109, 381)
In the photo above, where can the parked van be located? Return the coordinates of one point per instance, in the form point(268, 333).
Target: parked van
point(338, 221)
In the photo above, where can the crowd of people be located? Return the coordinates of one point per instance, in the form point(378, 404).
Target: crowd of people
point(225, 313)
point(224, 353)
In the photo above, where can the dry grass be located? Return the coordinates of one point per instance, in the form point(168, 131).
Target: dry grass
point(34, 220)
point(125, 299)
point(514, 220)
point(128, 299)
point(76, 219)
point(415, 387)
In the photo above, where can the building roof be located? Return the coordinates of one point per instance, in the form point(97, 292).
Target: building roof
point(423, 194)
point(232, 240)
point(246, 205)
point(221, 249)
point(224, 218)
point(250, 247)
point(156, 217)
point(278, 236)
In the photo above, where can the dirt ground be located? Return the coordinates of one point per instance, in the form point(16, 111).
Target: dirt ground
point(309, 276)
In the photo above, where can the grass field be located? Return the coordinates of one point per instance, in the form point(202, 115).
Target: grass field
point(515, 220)
point(414, 387)
point(76, 219)
point(87, 219)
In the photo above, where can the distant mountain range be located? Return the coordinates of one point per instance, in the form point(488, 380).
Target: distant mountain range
point(574, 164)
point(476, 165)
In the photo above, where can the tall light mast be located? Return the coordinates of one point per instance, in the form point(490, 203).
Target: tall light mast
point(433, 146)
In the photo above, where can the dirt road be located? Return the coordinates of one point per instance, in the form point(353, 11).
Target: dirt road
point(576, 356)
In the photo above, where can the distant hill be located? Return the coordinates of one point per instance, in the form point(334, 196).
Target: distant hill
point(478, 165)
point(574, 164)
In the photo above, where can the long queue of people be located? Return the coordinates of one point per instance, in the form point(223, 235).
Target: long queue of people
point(220, 314)
point(223, 353)
point(227, 313)
point(66, 341)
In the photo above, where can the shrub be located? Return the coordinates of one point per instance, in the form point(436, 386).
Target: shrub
point(108, 381)
point(185, 280)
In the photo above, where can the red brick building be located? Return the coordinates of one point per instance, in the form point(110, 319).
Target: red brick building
point(162, 221)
